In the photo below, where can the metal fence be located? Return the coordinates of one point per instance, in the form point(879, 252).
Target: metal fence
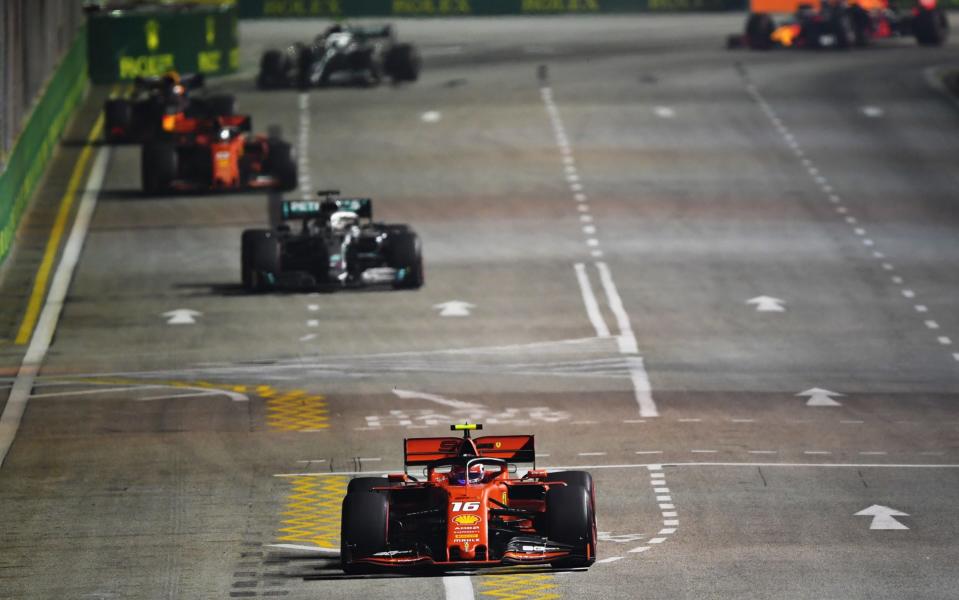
point(34, 36)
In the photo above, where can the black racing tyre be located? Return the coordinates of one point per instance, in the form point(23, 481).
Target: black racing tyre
point(402, 63)
point(580, 478)
point(842, 29)
point(931, 27)
point(117, 119)
point(404, 252)
point(304, 66)
point(158, 167)
point(146, 122)
point(366, 484)
point(281, 164)
point(260, 259)
point(861, 25)
point(759, 31)
point(364, 528)
point(570, 520)
point(272, 70)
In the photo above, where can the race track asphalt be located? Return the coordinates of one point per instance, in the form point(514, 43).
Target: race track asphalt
point(608, 225)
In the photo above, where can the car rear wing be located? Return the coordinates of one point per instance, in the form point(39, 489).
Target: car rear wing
point(511, 448)
point(191, 81)
point(310, 209)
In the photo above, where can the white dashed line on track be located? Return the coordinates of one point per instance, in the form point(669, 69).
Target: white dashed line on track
point(609, 560)
point(790, 140)
point(626, 338)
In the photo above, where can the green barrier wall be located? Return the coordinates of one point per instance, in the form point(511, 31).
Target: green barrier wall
point(153, 40)
point(40, 135)
point(252, 9)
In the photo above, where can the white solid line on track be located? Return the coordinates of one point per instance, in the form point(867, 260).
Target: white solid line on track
point(301, 548)
point(627, 339)
point(129, 388)
point(47, 323)
point(458, 587)
point(642, 390)
point(306, 187)
point(589, 299)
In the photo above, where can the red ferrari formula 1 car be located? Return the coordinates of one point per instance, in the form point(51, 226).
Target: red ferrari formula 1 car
point(469, 510)
point(215, 154)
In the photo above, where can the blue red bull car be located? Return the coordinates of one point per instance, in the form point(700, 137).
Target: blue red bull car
point(467, 509)
point(839, 24)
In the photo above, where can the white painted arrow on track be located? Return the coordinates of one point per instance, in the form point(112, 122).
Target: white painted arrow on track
point(454, 308)
point(820, 397)
point(767, 304)
point(407, 394)
point(181, 316)
point(883, 517)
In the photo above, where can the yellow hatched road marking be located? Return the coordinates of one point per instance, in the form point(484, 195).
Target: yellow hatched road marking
point(312, 513)
point(517, 587)
point(295, 411)
point(56, 234)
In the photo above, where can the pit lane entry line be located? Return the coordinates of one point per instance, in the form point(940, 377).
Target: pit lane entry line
point(47, 323)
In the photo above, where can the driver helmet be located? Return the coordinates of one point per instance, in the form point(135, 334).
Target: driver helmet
point(173, 80)
point(458, 474)
point(342, 220)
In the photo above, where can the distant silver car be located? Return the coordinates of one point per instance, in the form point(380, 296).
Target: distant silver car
point(343, 54)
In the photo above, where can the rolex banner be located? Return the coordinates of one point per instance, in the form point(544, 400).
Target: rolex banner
point(151, 40)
